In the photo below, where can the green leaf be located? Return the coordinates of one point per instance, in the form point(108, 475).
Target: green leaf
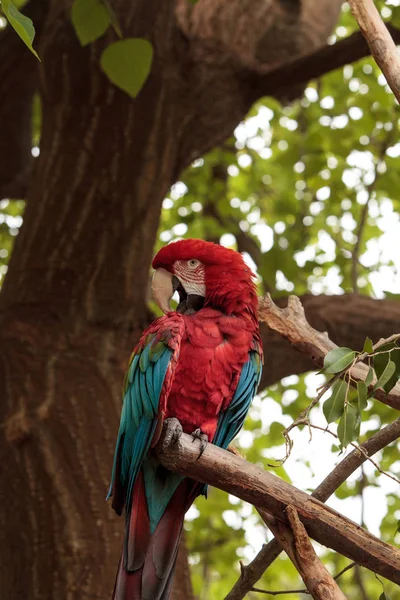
point(368, 347)
point(369, 377)
point(384, 596)
point(395, 357)
point(386, 375)
point(362, 395)
point(349, 425)
point(22, 25)
point(391, 296)
point(382, 358)
point(334, 406)
point(338, 359)
point(90, 19)
point(127, 64)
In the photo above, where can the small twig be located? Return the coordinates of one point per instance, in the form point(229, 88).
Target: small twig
point(303, 419)
point(361, 449)
point(379, 344)
point(278, 593)
point(350, 566)
point(303, 591)
point(382, 46)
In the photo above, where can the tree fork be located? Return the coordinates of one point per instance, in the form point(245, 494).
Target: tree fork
point(236, 476)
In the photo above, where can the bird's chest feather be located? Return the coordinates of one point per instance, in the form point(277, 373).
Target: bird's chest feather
point(213, 350)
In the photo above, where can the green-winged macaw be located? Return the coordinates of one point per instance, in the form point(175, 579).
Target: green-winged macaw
point(200, 364)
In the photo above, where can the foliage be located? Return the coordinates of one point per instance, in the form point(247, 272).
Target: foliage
point(90, 19)
point(127, 62)
point(22, 24)
point(384, 363)
point(310, 192)
point(118, 58)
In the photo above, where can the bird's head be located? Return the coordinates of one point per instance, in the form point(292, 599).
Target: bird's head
point(204, 274)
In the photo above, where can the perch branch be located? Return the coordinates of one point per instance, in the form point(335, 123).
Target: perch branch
point(291, 323)
point(251, 573)
point(266, 491)
point(382, 46)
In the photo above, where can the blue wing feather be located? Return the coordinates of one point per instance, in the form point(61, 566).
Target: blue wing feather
point(143, 387)
point(231, 420)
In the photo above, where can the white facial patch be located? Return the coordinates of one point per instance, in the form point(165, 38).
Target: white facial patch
point(191, 274)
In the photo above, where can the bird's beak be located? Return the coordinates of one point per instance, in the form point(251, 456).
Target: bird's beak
point(163, 287)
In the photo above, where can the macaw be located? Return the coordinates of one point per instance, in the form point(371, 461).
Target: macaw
point(200, 364)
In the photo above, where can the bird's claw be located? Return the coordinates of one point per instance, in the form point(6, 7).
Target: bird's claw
point(203, 437)
point(173, 431)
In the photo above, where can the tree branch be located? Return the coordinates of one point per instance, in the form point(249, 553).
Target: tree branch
point(294, 540)
point(346, 318)
point(318, 63)
point(304, 591)
point(269, 552)
point(268, 492)
point(382, 46)
point(291, 323)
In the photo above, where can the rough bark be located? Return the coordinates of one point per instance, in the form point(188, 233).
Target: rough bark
point(73, 305)
point(74, 299)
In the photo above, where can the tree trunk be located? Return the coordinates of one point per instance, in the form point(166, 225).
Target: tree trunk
point(74, 300)
point(72, 308)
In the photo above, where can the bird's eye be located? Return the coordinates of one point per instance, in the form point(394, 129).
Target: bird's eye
point(193, 263)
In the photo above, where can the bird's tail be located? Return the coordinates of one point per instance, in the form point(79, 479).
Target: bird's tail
point(146, 567)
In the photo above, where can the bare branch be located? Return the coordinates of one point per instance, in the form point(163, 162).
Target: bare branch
point(346, 318)
point(382, 46)
point(292, 324)
point(278, 593)
point(268, 492)
point(294, 540)
point(318, 63)
point(269, 552)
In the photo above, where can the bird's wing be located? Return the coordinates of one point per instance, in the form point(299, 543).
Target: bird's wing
point(231, 420)
point(146, 387)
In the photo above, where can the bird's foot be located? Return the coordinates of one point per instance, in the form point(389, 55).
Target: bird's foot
point(173, 431)
point(203, 437)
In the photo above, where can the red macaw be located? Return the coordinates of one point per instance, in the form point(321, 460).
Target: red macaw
point(200, 364)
